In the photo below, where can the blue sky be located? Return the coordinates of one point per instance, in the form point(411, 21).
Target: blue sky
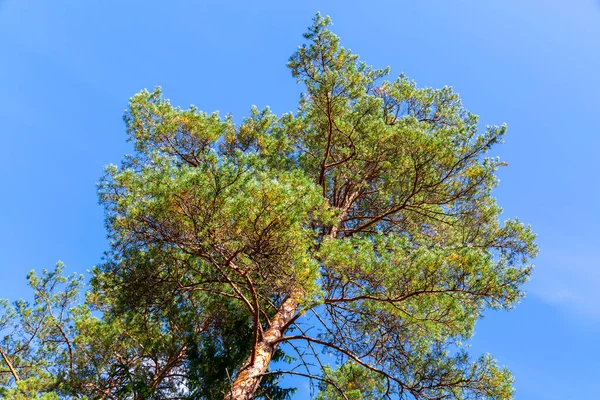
point(68, 68)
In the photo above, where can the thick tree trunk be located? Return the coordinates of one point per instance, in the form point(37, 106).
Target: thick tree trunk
point(250, 375)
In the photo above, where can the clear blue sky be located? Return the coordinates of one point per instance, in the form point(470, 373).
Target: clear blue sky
point(68, 68)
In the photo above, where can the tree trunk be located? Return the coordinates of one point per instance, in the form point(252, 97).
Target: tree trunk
point(10, 366)
point(249, 377)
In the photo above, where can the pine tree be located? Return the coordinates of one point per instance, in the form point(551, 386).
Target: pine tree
point(363, 225)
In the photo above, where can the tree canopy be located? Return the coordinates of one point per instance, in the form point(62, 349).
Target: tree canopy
point(353, 243)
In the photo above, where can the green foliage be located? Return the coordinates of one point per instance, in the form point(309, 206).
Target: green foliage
point(371, 208)
point(351, 382)
point(226, 346)
point(36, 337)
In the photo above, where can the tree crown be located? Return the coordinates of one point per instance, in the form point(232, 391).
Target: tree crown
point(363, 225)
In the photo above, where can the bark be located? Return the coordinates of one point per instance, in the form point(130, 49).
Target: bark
point(10, 366)
point(249, 377)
